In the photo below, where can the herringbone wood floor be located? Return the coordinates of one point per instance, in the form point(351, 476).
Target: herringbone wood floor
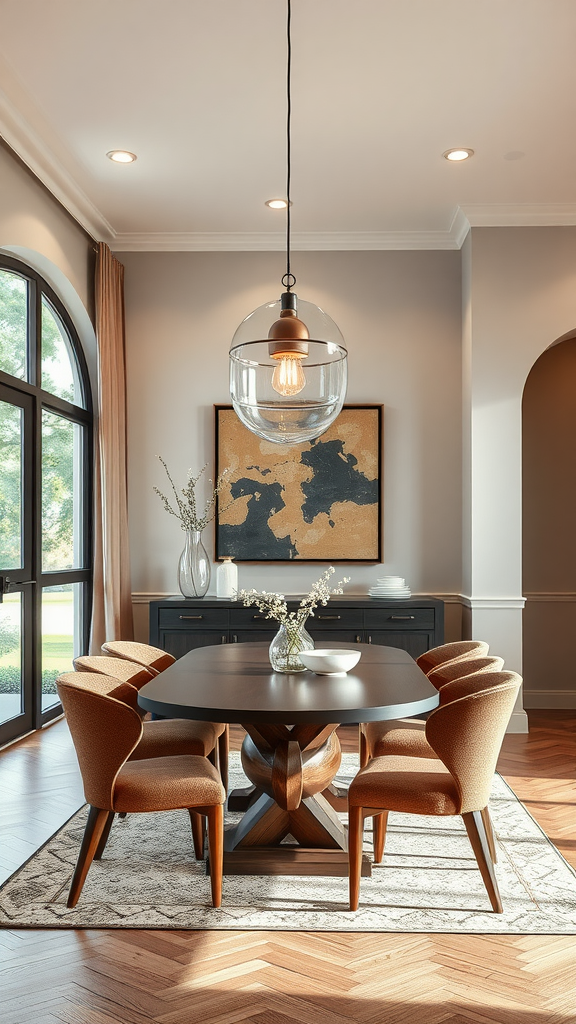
point(135, 977)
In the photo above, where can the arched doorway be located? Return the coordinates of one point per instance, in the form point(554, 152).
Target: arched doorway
point(45, 498)
point(549, 527)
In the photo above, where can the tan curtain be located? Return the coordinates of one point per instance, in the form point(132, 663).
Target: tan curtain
point(112, 605)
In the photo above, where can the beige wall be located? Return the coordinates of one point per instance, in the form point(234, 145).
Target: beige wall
point(400, 315)
point(30, 218)
point(35, 228)
point(519, 297)
point(549, 534)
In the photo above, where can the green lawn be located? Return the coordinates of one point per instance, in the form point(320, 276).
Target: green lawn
point(57, 648)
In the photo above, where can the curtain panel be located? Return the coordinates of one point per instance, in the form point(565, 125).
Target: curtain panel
point(112, 602)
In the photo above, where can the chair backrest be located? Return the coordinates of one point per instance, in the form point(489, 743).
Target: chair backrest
point(118, 668)
point(467, 730)
point(152, 658)
point(449, 652)
point(463, 667)
point(104, 728)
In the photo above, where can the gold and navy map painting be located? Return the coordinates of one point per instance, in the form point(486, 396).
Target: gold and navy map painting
point(318, 501)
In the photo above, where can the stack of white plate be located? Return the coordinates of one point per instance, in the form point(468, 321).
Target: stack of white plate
point(390, 586)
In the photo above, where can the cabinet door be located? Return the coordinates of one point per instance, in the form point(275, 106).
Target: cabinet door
point(412, 641)
point(179, 641)
point(247, 636)
point(326, 637)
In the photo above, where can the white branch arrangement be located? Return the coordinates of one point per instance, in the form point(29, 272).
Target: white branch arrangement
point(274, 606)
point(186, 509)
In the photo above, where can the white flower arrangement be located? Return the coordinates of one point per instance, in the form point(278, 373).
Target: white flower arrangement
point(275, 606)
point(187, 507)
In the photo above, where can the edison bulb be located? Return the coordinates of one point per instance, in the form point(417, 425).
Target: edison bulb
point(288, 377)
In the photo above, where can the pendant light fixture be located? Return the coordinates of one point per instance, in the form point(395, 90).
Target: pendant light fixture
point(288, 360)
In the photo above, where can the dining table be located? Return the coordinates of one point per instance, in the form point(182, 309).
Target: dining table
point(291, 753)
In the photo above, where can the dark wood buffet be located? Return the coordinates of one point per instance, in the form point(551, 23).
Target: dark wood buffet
point(179, 624)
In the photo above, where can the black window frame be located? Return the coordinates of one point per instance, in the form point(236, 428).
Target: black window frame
point(32, 496)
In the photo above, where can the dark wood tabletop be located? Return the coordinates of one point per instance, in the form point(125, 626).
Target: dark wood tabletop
point(234, 683)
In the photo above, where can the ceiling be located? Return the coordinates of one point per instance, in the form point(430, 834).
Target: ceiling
point(381, 88)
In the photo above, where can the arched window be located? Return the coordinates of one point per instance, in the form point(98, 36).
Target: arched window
point(45, 498)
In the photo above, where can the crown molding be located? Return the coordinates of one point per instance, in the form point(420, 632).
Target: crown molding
point(459, 227)
point(41, 160)
point(267, 241)
point(515, 215)
point(35, 152)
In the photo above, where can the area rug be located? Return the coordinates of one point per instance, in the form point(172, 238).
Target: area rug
point(428, 881)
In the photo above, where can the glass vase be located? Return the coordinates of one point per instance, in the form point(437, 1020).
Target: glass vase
point(286, 646)
point(194, 566)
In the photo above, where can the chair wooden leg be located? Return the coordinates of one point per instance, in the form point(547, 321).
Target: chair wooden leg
point(363, 748)
point(97, 821)
point(223, 746)
point(489, 834)
point(379, 823)
point(355, 833)
point(215, 817)
point(214, 757)
point(198, 830)
point(104, 837)
point(479, 841)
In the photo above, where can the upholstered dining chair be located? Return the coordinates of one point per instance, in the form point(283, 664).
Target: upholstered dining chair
point(163, 738)
point(125, 671)
point(450, 652)
point(155, 660)
point(107, 734)
point(465, 735)
point(407, 735)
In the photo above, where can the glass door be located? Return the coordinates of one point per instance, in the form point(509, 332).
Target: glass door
point(45, 499)
point(17, 586)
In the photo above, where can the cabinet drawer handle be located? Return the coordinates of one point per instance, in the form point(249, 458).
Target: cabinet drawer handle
point(327, 616)
point(195, 617)
point(258, 618)
point(224, 639)
point(234, 639)
point(358, 639)
point(402, 618)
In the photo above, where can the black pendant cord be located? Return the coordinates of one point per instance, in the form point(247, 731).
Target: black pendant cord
point(288, 280)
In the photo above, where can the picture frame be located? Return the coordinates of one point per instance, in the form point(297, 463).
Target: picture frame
point(320, 501)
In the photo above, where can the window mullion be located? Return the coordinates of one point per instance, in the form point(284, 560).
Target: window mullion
point(34, 332)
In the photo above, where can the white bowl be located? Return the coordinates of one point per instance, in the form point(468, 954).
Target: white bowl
point(330, 662)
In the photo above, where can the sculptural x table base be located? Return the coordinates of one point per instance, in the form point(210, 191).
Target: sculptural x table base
point(289, 828)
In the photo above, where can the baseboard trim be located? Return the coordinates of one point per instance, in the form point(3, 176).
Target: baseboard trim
point(559, 700)
point(518, 722)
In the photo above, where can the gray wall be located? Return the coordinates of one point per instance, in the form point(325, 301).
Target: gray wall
point(400, 315)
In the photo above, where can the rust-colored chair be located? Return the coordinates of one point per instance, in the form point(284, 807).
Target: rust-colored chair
point(407, 735)
point(450, 652)
point(125, 671)
point(152, 658)
point(107, 734)
point(465, 735)
point(165, 737)
point(154, 661)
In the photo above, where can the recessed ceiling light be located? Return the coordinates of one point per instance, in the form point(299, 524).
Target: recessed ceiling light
point(276, 204)
point(458, 154)
point(121, 156)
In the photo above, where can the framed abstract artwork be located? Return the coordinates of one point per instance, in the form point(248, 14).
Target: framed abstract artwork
point(314, 502)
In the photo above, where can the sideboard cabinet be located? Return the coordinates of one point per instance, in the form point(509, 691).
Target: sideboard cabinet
point(179, 624)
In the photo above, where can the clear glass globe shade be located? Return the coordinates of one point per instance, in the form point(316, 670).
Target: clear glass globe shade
point(288, 419)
